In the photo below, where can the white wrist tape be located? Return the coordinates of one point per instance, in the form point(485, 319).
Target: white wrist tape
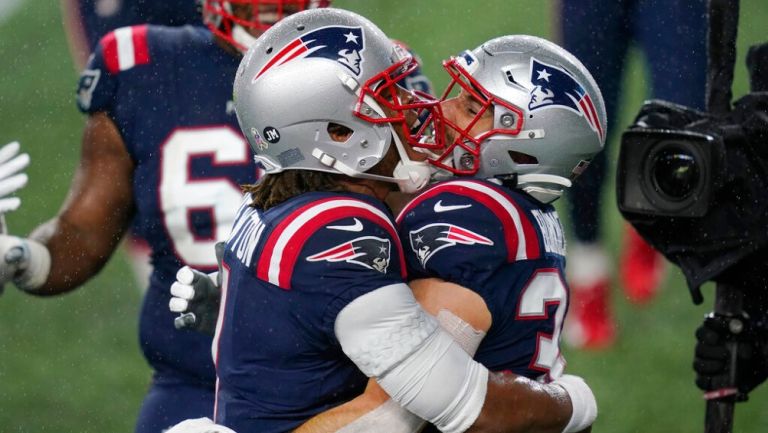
point(389, 337)
point(32, 261)
point(583, 402)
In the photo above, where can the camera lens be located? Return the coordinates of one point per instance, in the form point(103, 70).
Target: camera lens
point(675, 173)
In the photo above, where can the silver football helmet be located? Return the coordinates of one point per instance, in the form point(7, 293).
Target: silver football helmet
point(321, 67)
point(548, 115)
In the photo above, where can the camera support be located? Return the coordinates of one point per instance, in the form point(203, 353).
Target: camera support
point(718, 417)
point(721, 40)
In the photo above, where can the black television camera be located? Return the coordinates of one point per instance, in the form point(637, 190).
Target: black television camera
point(695, 186)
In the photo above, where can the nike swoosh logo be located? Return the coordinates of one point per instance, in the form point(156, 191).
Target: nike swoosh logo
point(356, 227)
point(440, 208)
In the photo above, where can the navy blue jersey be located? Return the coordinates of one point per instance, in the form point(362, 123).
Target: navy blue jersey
point(288, 273)
point(510, 250)
point(96, 17)
point(168, 91)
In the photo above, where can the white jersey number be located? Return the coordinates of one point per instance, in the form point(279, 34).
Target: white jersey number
point(180, 195)
point(546, 288)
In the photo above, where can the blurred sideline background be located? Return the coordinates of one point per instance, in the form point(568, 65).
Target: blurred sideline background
point(72, 363)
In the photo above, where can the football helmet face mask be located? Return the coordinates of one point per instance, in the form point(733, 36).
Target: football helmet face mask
point(323, 67)
point(518, 106)
point(239, 22)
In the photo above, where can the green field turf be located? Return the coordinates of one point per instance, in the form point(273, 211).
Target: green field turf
point(72, 364)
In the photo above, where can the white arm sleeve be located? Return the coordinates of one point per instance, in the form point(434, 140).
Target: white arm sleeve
point(390, 417)
point(389, 337)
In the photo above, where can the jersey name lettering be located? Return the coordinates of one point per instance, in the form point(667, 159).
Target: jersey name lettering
point(551, 231)
point(245, 234)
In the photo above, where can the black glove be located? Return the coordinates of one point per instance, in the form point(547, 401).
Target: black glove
point(712, 357)
point(196, 296)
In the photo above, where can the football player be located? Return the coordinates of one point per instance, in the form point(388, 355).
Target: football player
point(161, 147)
point(524, 119)
point(313, 297)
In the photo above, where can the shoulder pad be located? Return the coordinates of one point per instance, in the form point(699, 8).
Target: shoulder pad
point(519, 232)
point(284, 243)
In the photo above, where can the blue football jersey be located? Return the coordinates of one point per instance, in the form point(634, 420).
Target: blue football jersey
point(506, 247)
point(168, 90)
point(97, 17)
point(288, 271)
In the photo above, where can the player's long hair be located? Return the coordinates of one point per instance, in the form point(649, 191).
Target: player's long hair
point(276, 188)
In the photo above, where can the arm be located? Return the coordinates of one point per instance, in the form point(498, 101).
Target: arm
point(393, 340)
point(536, 407)
point(90, 224)
point(434, 295)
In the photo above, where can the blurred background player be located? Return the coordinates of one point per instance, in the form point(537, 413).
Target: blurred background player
point(672, 37)
point(161, 148)
point(86, 21)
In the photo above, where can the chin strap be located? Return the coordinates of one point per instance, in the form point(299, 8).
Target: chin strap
point(545, 188)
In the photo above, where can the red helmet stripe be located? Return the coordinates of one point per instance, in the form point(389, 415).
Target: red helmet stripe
point(594, 115)
point(297, 44)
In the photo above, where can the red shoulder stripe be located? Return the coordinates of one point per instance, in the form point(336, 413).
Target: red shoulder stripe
point(519, 232)
point(284, 244)
point(125, 48)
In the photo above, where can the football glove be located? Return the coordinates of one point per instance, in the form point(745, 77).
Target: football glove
point(196, 296)
point(712, 356)
point(11, 180)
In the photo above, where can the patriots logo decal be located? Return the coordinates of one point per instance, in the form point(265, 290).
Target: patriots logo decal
point(430, 239)
point(555, 87)
point(367, 251)
point(340, 43)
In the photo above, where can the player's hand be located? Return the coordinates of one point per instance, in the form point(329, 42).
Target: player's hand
point(11, 178)
point(196, 296)
point(712, 356)
point(199, 425)
point(24, 261)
